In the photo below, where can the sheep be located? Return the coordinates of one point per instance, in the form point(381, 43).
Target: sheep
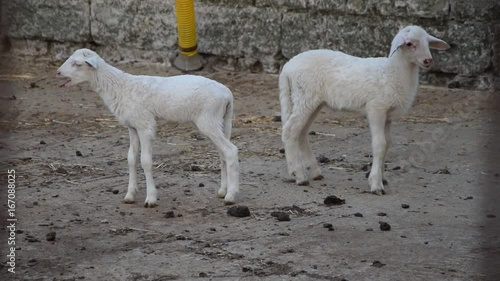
point(137, 101)
point(381, 88)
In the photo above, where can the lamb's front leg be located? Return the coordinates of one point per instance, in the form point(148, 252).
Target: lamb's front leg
point(377, 121)
point(133, 152)
point(387, 133)
point(146, 138)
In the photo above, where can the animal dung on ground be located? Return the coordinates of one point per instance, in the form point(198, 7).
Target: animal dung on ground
point(51, 236)
point(329, 226)
point(170, 214)
point(333, 200)
point(323, 159)
point(384, 226)
point(405, 206)
point(378, 264)
point(281, 216)
point(239, 211)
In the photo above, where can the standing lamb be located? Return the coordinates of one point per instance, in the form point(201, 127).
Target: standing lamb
point(137, 101)
point(382, 88)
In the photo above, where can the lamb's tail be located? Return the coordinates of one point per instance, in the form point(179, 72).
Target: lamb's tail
point(228, 119)
point(285, 98)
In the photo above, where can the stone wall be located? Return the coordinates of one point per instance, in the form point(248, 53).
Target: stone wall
point(262, 34)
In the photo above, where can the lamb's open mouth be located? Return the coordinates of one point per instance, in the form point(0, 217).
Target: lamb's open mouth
point(65, 82)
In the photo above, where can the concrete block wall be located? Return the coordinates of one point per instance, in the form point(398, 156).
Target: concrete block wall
point(262, 33)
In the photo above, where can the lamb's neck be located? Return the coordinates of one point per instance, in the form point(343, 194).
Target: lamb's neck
point(405, 75)
point(107, 80)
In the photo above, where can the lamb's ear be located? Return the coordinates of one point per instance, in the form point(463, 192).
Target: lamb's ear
point(436, 43)
point(397, 42)
point(92, 62)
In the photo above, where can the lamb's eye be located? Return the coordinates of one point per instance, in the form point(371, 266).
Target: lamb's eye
point(409, 44)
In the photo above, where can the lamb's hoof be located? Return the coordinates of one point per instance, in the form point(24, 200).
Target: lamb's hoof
point(128, 200)
point(303, 183)
point(378, 192)
point(150, 204)
point(318, 178)
point(221, 193)
point(228, 203)
point(229, 200)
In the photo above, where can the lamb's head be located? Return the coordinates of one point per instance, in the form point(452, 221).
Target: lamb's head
point(414, 42)
point(78, 67)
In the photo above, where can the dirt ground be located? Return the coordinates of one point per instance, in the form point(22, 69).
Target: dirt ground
point(434, 166)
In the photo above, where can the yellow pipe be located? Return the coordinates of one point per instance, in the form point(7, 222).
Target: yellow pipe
point(186, 27)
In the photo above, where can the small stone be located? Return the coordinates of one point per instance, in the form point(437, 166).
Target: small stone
point(443, 171)
point(369, 229)
point(78, 153)
point(246, 269)
point(281, 216)
point(359, 215)
point(312, 133)
point(51, 236)
point(42, 142)
point(384, 226)
point(282, 150)
point(32, 239)
point(115, 191)
point(180, 237)
point(169, 214)
point(201, 184)
point(203, 274)
point(239, 211)
point(405, 206)
point(396, 168)
point(195, 168)
point(469, 198)
point(378, 264)
point(381, 214)
point(490, 216)
point(327, 225)
point(323, 159)
point(277, 118)
point(332, 200)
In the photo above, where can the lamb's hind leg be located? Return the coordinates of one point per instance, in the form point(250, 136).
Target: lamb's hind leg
point(292, 133)
point(229, 152)
point(221, 193)
point(133, 153)
point(146, 138)
point(309, 159)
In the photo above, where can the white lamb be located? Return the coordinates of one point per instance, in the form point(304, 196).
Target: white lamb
point(137, 101)
point(382, 88)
